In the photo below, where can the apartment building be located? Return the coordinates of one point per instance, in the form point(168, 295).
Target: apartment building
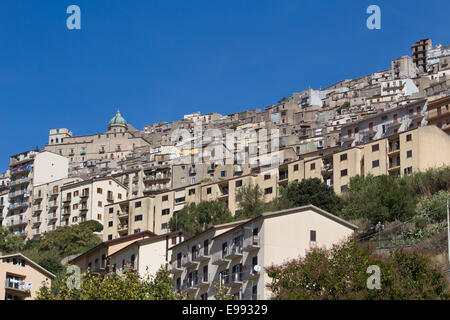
point(403, 87)
point(86, 200)
point(419, 53)
point(404, 68)
point(116, 143)
point(439, 113)
point(398, 154)
point(3, 203)
point(392, 121)
point(154, 212)
point(47, 206)
point(22, 277)
point(26, 170)
point(235, 255)
point(147, 255)
point(95, 259)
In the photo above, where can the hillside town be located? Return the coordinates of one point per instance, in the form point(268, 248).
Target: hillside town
point(392, 122)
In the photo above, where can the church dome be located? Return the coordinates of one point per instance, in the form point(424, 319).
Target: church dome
point(118, 119)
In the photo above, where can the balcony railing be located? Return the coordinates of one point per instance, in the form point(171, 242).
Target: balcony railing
point(251, 243)
point(16, 285)
point(188, 261)
point(234, 251)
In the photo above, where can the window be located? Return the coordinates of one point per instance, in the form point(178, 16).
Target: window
point(110, 224)
point(375, 147)
point(119, 196)
point(138, 217)
point(295, 167)
point(174, 240)
point(343, 188)
point(223, 173)
point(100, 204)
point(111, 210)
point(99, 190)
point(408, 137)
point(268, 190)
point(238, 183)
point(409, 153)
point(137, 204)
point(165, 198)
point(266, 176)
point(109, 236)
point(313, 166)
point(312, 235)
point(191, 192)
point(76, 193)
point(164, 226)
point(208, 191)
point(343, 173)
point(375, 163)
point(99, 216)
point(408, 170)
point(165, 212)
point(343, 157)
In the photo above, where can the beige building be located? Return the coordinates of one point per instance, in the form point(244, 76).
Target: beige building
point(22, 277)
point(116, 143)
point(27, 170)
point(86, 200)
point(439, 113)
point(235, 255)
point(47, 201)
point(95, 259)
point(147, 255)
point(398, 154)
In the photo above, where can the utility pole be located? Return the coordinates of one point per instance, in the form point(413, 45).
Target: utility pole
point(448, 230)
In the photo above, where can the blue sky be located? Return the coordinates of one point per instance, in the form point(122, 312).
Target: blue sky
point(159, 60)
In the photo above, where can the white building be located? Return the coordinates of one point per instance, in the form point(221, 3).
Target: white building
point(236, 254)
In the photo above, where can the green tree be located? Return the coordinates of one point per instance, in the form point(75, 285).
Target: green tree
point(311, 191)
point(251, 201)
point(434, 207)
point(128, 285)
point(341, 273)
point(69, 240)
point(195, 218)
point(382, 198)
point(93, 225)
point(10, 243)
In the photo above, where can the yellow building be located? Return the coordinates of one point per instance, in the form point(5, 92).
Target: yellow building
point(22, 277)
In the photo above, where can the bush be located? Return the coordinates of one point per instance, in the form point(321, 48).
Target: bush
point(341, 273)
point(435, 207)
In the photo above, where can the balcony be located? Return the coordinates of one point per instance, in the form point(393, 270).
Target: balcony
point(37, 209)
point(21, 169)
point(201, 255)
point(66, 213)
point(67, 200)
point(190, 286)
point(203, 281)
point(368, 133)
point(13, 206)
point(84, 195)
point(347, 138)
point(18, 182)
point(416, 116)
point(83, 208)
point(251, 243)
point(110, 199)
point(16, 285)
point(52, 217)
point(394, 124)
point(188, 261)
point(220, 258)
point(53, 205)
point(18, 193)
point(252, 275)
point(176, 267)
point(236, 279)
point(234, 252)
point(16, 223)
point(15, 162)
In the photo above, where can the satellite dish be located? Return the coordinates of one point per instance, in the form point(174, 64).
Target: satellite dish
point(257, 268)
